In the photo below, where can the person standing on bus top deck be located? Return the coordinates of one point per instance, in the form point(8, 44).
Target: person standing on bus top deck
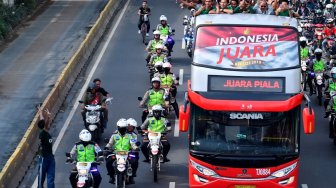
point(222, 7)
point(206, 8)
point(284, 9)
point(244, 7)
point(46, 159)
point(144, 9)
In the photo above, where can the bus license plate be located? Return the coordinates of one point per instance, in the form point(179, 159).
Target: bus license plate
point(245, 186)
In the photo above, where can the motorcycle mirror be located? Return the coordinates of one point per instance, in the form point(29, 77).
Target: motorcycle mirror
point(106, 140)
point(146, 43)
point(178, 78)
point(100, 153)
point(81, 102)
point(67, 154)
point(137, 143)
point(173, 30)
point(139, 98)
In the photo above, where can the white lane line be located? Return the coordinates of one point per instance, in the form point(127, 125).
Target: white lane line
point(183, 44)
point(176, 128)
point(88, 80)
point(171, 184)
point(304, 186)
point(181, 77)
point(53, 20)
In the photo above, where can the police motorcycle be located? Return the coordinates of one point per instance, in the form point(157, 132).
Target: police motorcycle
point(304, 65)
point(169, 41)
point(94, 118)
point(188, 34)
point(121, 165)
point(332, 117)
point(84, 170)
point(318, 83)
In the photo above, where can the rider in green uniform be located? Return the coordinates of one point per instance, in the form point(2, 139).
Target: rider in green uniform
point(85, 151)
point(156, 123)
point(158, 55)
point(317, 65)
point(304, 50)
point(120, 141)
point(152, 44)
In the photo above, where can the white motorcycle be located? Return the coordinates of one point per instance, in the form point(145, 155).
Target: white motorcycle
point(319, 84)
point(123, 169)
point(155, 154)
point(304, 74)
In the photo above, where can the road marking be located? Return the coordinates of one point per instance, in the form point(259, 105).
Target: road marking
point(53, 20)
point(176, 128)
point(181, 77)
point(304, 186)
point(74, 108)
point(183, 44)
point(171, 184)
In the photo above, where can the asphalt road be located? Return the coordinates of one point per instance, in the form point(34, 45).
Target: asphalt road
point(123, 72)
point(31, 64)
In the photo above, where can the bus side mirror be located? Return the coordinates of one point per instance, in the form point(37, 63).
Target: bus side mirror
point(184, 116)
point(308, 120)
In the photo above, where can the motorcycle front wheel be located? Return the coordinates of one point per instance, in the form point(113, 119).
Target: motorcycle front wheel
point(120, 181)
point(155, 161)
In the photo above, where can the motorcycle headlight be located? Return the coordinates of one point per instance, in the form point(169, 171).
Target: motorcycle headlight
point(284, 172)
point(202, 169)
point(121, 168)
point(82, 172)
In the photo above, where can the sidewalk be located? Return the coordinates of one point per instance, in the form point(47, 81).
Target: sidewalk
point(32, 62)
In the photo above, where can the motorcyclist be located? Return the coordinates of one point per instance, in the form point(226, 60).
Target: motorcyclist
point(328, 31)
point(165, 30)
point(120, 141)
point(131, 126)
point(318, 17)
point(144, 9)
point(329, 12)
point(317, 65)
point(169, 80)
point(155, 95)
point(86, 151)
point(308, 33)
point(304, 50)
point(330, 86)
point(158, 55)
point(92, 96)
point(152, 44)
point(156, 123)
point(158, 68)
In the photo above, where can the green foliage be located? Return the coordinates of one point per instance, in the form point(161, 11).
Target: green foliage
point(10, 17)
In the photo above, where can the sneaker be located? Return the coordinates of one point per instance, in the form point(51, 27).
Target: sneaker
point(139, 31)
point(147, 35)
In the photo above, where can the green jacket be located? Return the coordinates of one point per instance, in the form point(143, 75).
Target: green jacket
point(156, 125)
point(304, 53)
point(86, 153)
point(318, 65)
point(122, 143)
point(156, 97)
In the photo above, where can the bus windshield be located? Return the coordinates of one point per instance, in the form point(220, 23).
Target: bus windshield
point(244, 133)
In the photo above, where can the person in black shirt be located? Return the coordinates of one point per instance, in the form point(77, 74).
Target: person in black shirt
point(46, 159)
point(144, 9)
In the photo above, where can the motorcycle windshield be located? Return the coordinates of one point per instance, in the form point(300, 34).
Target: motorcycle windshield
point(244, 133)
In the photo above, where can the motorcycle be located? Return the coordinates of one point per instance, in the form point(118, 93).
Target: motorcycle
point(332, 117)
point(188, 39)
point(144, 28)
point(169, 41)
point(94, 119)
point(84, 170)
point(318, 80)
point(155, 154)
point(121, 165)
point(319, 34)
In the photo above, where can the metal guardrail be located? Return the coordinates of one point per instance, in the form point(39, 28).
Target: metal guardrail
point(18, 164)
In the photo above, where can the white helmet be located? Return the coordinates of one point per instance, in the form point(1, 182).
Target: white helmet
point(158, 64)
point(163, 18)
point(157, 107)
point(318, 50)
point(329, 6)
point(159, 46)
point(333, 70)
point(156, 79)
point(122, 123)
point(156, 32)
point(132, 122)
point(302, 39)
point(85, 135)
point(166, 65)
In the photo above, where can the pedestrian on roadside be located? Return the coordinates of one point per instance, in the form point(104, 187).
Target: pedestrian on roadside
point(46, 158)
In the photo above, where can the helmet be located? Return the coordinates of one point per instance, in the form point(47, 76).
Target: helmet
point(156, 32)
point(318, 50)
point(329, 6)
point(85, 135)
point(159, 46)
point(166, 65)
point(156, 79)
point(163, 18)
point(132, 122)
point(122, 123)
point(303, 39)
point(329, 21)
point(319, 12)
point(333, 72)
point(157, 110)
point(157, 107)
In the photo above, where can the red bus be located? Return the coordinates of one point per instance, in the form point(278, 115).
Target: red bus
point(243, 104)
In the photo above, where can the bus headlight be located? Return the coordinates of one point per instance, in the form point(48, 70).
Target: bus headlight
point(284, 172)
point(202, 169)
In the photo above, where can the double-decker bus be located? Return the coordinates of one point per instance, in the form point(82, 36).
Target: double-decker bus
point(243, 104)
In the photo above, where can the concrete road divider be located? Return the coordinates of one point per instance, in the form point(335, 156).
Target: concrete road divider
point(18, 164)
